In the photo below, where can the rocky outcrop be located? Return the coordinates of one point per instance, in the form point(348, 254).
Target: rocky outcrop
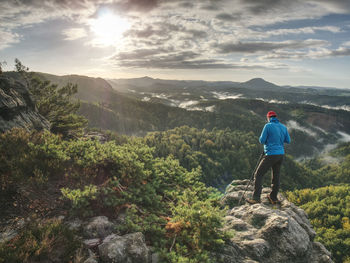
point(129, 248)
point(98, 227)
point(268, 233)
point(17, 109)
point(104, 245)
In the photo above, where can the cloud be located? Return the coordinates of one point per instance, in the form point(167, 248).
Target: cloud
point(256, 47)
point(139, 6)
point(340, 52)
point(293, 125)
point(140, 54)
point(182, 34)
point(228, 17)
point(8, 38)
point(317, 53)
point(161, 59)
point(303, 30)
point(74, 33)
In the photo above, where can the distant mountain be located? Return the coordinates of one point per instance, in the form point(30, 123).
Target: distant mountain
point(173, 92)
point(90, 89)
point(259, 83)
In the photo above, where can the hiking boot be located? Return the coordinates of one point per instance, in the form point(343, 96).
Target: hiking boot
point(253, 201)
point(274, 202)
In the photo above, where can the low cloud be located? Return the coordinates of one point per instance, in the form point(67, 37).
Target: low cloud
point(342, 107)
point(226, 95)
point(273, 101)
point(293, 125)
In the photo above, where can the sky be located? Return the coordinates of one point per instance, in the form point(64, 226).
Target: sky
point(299, 42)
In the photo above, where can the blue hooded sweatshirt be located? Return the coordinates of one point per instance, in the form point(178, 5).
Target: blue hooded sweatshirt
point(273, 136)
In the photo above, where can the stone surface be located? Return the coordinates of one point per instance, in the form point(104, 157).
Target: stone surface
point(130, 248)
point(98, 227)
point(74, 224)
point(11, 230)
point(91, 243)
point(91, 260)
point(268, 233)
point(155, 258)
point(17, 108)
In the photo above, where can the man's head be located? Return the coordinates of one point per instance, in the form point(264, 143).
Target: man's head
point(271, 114)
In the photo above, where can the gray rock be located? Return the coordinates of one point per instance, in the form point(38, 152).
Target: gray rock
point(91, 260)
point(286, 235)
point(74, 224)
point(130, 248)
point(320, 254)
point(229, 253)
point(17, 108)
point(91, 243)
point(268, 233)
point(98, 227)
point(11, 230)
point(236, 223)
point(7, 235)
point(256, 248)
point(155, 258)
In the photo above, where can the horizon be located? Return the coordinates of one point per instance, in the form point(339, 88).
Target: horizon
point(233, 81)
point(299, 43)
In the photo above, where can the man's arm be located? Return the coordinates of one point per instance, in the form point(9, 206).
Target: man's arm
point(263, 135)
point(287, 137)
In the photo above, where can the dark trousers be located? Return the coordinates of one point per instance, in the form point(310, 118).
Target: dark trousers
point(267, 162)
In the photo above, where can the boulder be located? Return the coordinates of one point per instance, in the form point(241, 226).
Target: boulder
point(130, 248)
point(98, 227)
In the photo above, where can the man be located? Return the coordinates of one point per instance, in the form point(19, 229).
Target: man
point(273, 136)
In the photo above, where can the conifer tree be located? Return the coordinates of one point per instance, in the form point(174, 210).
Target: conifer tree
point(3, 63)
point(54, 103)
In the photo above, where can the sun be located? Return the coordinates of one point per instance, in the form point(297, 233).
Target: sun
point(108, 29)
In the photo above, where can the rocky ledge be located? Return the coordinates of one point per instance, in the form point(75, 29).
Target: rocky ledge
point(268, 233)
point(17, 108)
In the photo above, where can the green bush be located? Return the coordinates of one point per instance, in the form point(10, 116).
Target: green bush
point(107, 178)
point(329, 212)
point(47, 240)
point(81, 198)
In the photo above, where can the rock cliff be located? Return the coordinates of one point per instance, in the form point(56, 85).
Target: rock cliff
point(17, 109)
point(268, 233)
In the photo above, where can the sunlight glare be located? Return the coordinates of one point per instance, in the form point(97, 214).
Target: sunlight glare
point(108, 29)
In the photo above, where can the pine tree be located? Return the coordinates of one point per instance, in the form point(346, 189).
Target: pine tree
point(3, 63)
point(54, 103)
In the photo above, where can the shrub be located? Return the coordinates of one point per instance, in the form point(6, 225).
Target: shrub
point(47, 240)
point(194, 229)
